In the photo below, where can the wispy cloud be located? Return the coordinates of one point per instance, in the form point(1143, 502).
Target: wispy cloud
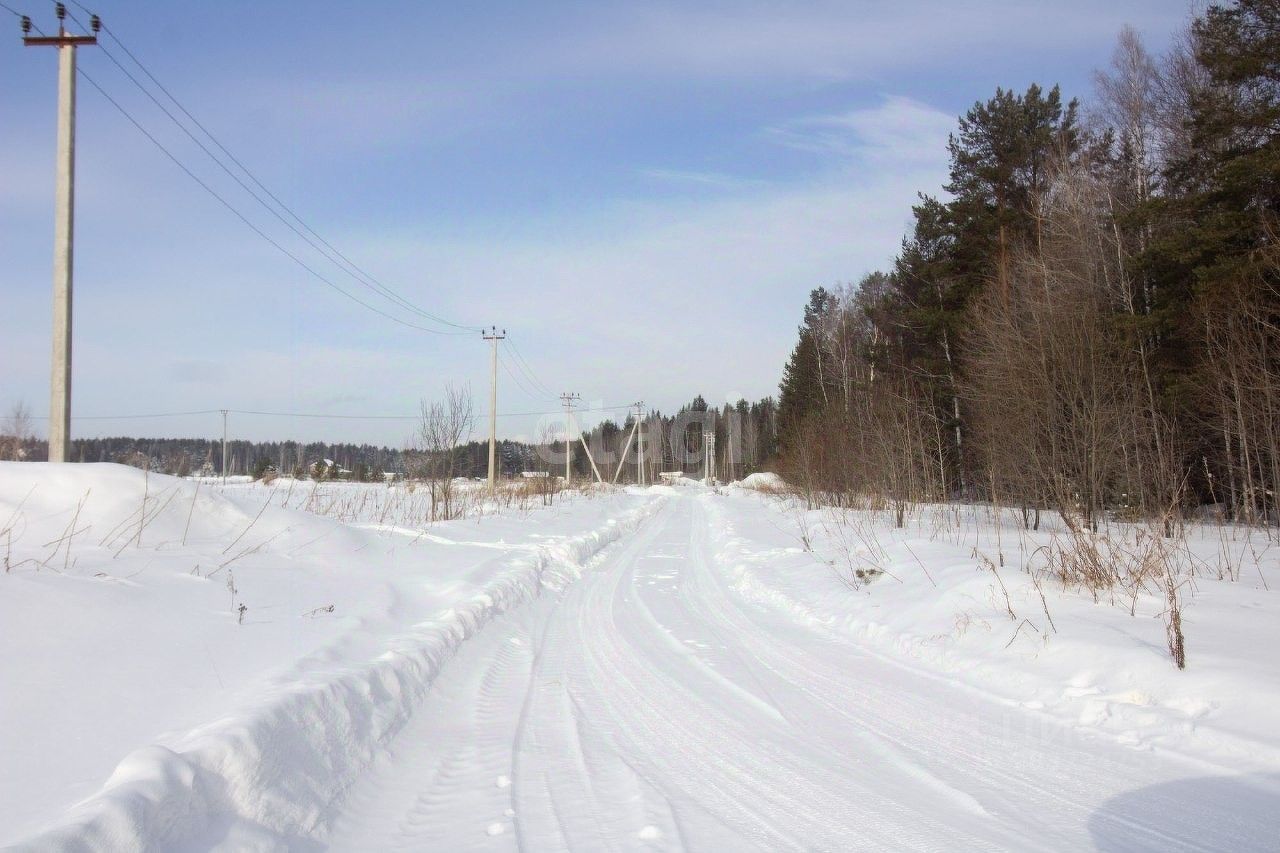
point(715, 180)
point(662, 293)
point(898, 130)
point(643, 193)
point(836, 39)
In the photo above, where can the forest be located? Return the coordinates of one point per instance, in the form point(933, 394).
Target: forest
point(1086, 319)
point(746, 440)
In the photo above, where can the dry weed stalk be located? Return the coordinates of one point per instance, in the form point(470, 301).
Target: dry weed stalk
point(986, 561)
point(190, 510)
point(1132, 562)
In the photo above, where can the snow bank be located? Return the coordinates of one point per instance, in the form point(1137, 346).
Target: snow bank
point(242, 734)
point(762, 481)
point(939, 608)
point(230, 479)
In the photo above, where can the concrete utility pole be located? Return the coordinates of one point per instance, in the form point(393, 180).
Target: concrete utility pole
point(640, 443)
point(709, 456)
point(224, 446)
point(714, 473)
point(568, 400)
point(493, 336)
point(622, 457)
point(63, 227)
point(728, 457)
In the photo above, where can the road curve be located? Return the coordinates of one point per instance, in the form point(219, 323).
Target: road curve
point(649, 706)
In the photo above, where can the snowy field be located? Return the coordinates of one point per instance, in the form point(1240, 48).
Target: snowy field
point(668, 668)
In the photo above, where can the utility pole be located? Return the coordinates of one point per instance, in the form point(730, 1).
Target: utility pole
point(224, 446)
point(63, 226)
point(493, 336)
point(728, 456)
point(569, 400)
point(709, 456)
point(714, 472)
point(640, 443)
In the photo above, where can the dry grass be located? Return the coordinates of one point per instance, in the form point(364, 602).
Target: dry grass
point(1123, 564)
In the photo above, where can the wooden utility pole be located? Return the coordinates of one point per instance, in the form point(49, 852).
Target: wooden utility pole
point(493, 336)
point(63, 226)
point(568, 399)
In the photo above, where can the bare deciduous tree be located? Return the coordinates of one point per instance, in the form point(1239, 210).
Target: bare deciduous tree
point(15, 433)
point(443, 427)
point(1063, 405)
point(1242, 366)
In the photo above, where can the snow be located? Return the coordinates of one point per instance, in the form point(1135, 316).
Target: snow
point(1097, 667)
point(762, 481)
point(237, 479)
point(649, 668)
point(125, 663)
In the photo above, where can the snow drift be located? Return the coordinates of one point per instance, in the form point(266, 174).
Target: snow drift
point(125, 639)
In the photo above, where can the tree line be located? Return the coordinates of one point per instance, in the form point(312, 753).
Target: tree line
point(1087, 320)
point(444, 447)
point(745, 440)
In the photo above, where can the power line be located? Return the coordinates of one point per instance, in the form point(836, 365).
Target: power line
point(322, 415)
point(247, 221)
point(533, 395)
point(131, 417)
point(337, 258)
point(350, 269)
point(523, 364)
point(315, 415)
point(235, 212)
point(520, 382)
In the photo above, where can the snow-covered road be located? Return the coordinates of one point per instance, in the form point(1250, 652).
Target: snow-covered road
point(662, 668)
point(649, 705)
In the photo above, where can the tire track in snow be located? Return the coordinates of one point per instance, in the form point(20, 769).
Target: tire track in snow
point(739, 761)
point(651, 706)
point(455, 772)
point(448, 774)
point(572, 799)
point(1043, 782)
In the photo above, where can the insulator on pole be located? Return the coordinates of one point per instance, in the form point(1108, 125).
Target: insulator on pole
point(26, 25)
point(95, 23)
point(61, 10)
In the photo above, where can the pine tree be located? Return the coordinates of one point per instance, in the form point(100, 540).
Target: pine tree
point(1219, 214)
point(802, 389)
point(1000, 168)
point(1235, 171)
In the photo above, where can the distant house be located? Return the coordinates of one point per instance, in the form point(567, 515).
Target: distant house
point(327, 469)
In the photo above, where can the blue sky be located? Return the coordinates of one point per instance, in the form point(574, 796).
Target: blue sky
point(643, 194)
